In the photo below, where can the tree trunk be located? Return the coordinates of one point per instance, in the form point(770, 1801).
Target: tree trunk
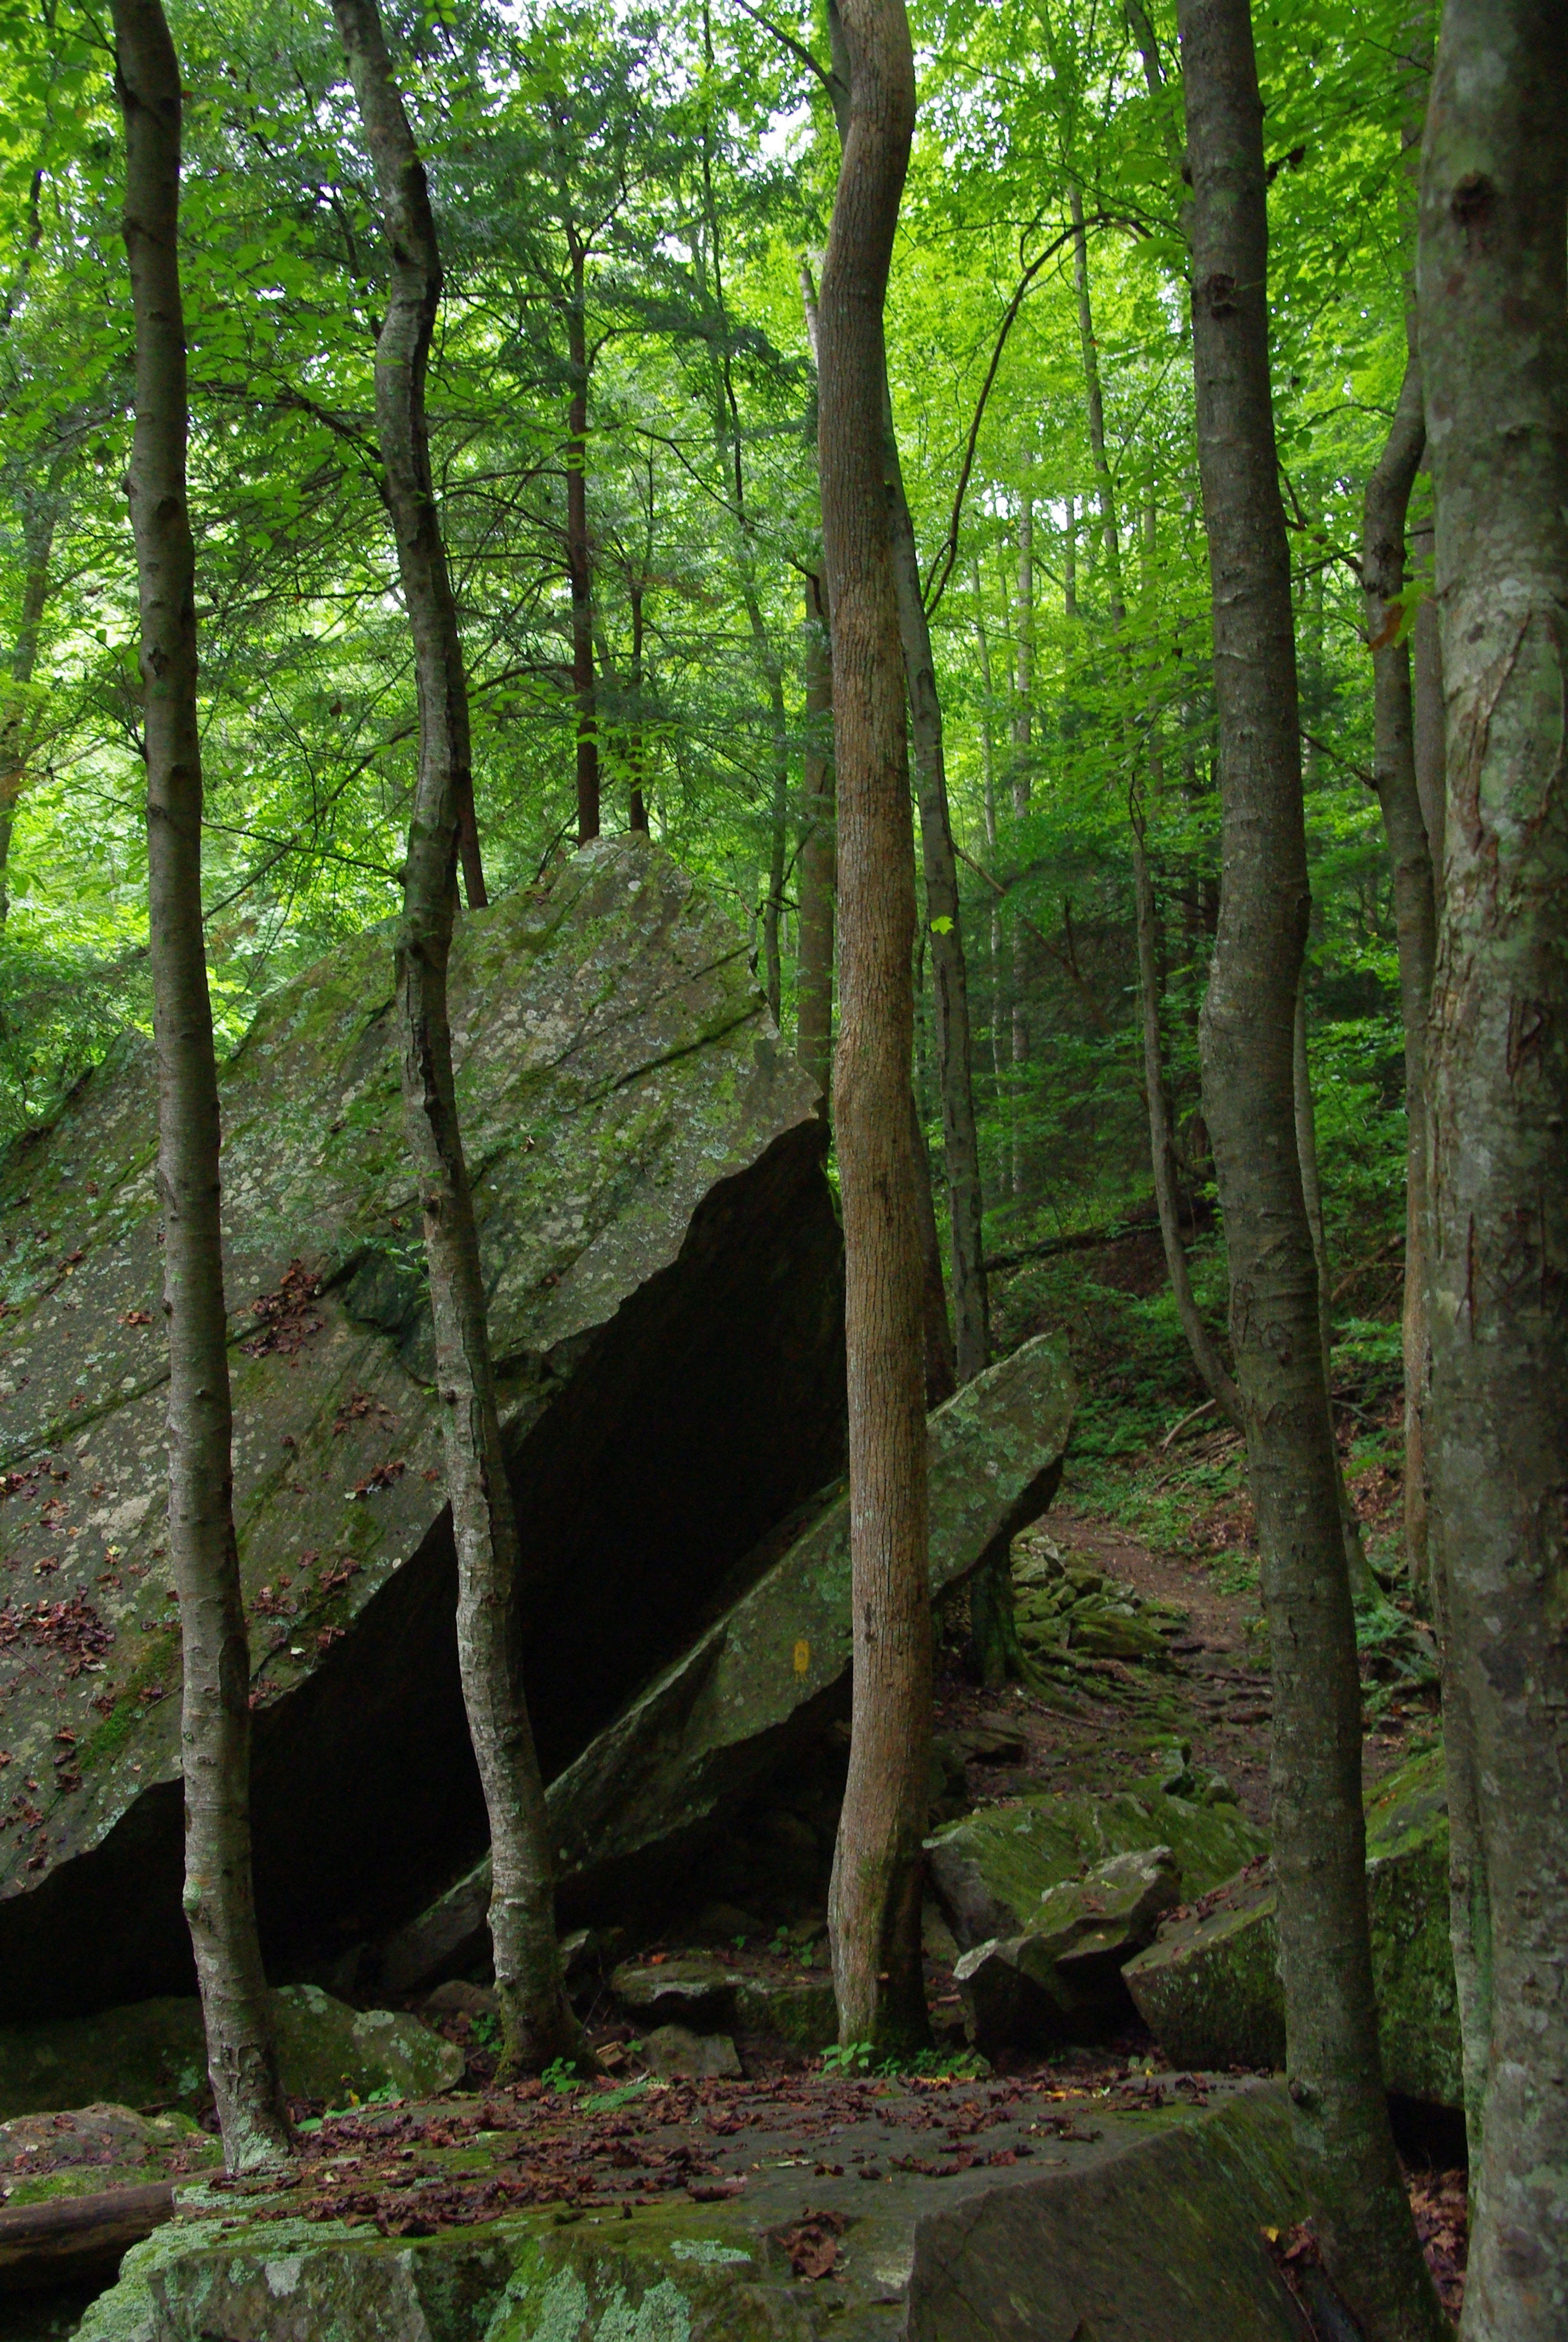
point(215, 1720)
point(636, 801)
point(813, 980)
point(1206, 1356)
point(38, 544)
point(949, 965)
point(875, 1896)
point(537, 2023)
point(579, 553)
point(1023, 728)
point(1363, 1592)
point(1431, 747)
point(1341, 2117)
point(941, 1357)
point(1383, 568)
point(1494, 324)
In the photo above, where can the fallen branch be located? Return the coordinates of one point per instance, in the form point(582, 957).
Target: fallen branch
point(41, 2243)
point(1191, 1417)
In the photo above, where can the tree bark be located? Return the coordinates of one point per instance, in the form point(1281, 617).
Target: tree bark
point(1341, 2118)
point(1200, 1342)
point(941, 1357)
point(38, 523)
point(949, 964)
point(1431, 747)
point(1493, 330)
point(537, 2023)
point(1363, 1591)
point(1383, 573)
point(215, 1720)
point(579, 550)
point(813, 980)
point(875, 1896)
point(1206, 1356)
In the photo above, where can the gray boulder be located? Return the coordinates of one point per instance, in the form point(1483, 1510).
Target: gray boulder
point(666, 1304)
point(1061, 1982)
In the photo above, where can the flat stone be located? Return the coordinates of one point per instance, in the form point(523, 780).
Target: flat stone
point(663, 1268)
point(1125, 2229)
point(766, 1675)
point(687, 1989)
point(676, 2054)
point(154, 2054)
point(1209, 1989)
point(994, 1870)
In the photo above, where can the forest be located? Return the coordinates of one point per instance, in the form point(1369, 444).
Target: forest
point(783, 1062)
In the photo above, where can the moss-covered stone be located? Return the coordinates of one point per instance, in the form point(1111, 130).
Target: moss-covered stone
point(83, 2150)
point(1208, 1987)
point(768, 1673)
point(1140, 2228)
point(662, 1261)
point(154, 2054)
point(995, 1870)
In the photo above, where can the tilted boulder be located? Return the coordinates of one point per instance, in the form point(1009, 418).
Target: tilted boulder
point(997, 1871)
point(766, 1675)
point(1062, 1981)
point(1209, 1986)
point(665, 1271)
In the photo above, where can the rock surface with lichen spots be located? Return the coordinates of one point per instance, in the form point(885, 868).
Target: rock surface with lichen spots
point(663, 1266)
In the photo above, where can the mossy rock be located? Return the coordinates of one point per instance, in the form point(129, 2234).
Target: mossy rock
point(994, 1870)
point(1209, 1989)
point(83, 2150)
point(1133, 2230)
point(154, 2054)
point(799, 2011)
point(663, 1266)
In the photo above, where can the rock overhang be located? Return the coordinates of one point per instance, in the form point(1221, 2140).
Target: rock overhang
point(664, 1264)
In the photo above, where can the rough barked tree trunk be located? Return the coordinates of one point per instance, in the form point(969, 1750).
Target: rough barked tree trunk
point(1382, 573)
point(637, 799)
point(1341, 2117)
point(818, 856)
point(1493, 325)
point(875, 1896)
point(215, 1718)
point(537, 2023)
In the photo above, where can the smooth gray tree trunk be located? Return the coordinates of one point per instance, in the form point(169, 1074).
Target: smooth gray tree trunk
point(215, 1717)
point(1493, 335)
point(537, 2023)
point(874, 1903)
point(1340, 2117)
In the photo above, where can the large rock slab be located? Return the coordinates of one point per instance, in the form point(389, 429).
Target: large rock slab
point(997, 1872)
point(1208, 1987)
point(1137, 2228)
point(769, 1672)
point(666, 1297)
point(154, 2054)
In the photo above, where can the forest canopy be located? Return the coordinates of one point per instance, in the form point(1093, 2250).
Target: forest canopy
point(628, 203)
